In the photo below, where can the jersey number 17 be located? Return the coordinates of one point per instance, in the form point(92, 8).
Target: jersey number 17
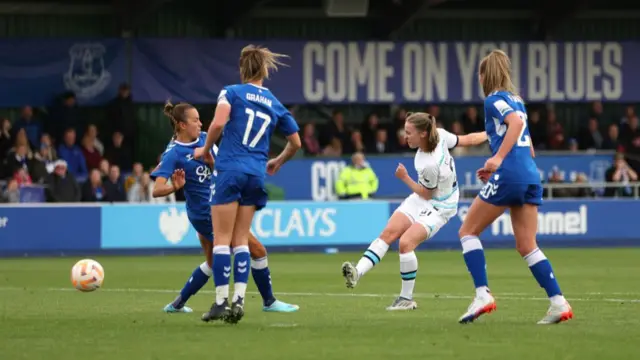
point(266, 120)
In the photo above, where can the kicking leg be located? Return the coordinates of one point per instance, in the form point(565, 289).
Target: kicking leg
point(397, 225)
point(262, 277)
point(525, 224)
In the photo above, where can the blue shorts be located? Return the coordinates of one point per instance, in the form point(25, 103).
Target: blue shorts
point(237, 186)
point(498, 193)
point(204, 227)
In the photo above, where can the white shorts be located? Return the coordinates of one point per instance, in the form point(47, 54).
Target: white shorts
point(424, 212)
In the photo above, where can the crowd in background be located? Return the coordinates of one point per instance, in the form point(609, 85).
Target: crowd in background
point(375, 136)
point(71, 161)
point(78, 162)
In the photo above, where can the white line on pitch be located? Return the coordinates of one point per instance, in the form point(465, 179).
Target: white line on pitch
point(346, 294)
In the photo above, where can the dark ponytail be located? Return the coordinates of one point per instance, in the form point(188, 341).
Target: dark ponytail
point(177, 114)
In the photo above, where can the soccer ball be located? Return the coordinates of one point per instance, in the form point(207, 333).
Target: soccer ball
point(87, 275)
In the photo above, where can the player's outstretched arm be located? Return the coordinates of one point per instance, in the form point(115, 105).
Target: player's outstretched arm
point(472, 139)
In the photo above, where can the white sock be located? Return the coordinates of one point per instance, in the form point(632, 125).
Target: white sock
point(408, 272)
point(239, 290)
point(372, 256)
point(558, 300)
point(222, 294)
point(482, 291)
point(206, 269)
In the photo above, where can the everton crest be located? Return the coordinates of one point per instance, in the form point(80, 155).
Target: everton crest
point(87, 76)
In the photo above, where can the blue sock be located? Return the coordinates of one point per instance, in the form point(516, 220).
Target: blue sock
point(197, 280)
point(221, 272)
point(474, 258)
point(541, 269)
point(262, 278)
point(241, 263)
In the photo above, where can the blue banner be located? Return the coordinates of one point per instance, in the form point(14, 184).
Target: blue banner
point(559, 221)
point(49, 229)
point(388, 72)
point(35, 71)
point(315, 179)
point(279, 224)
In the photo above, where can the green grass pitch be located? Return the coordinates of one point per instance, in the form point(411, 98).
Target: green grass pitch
point(42, 317)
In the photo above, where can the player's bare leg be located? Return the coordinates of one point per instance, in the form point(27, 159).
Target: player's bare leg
point(396, 226)
point(480, 215)
point(525, 224)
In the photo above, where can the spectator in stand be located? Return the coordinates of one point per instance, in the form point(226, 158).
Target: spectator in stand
point(620, 172)
point(134, 178)
point(381, 144)
point(12, 193)
point(580, 192)
point(629, 113)
point(555, 132)
point(64, 114)
point(142, 191)
point(357, 144)
point(92, 189)
point(336, 129)
point(31, 125)
point(91, 154)
point(401, 145)
point(61, 185)
point(22, 177)
point(72, 154)
point(334, 149)
point(611, 140)
point(471, 121)
point(435, 111)
point(457, 129)
point(6, 141)
point(590, 136)
point(597, 112)
point(573, 145)
point(115, 186)
point(47, 152)
point(118, 153)
point(368, 130)
point(398, 121)
point(38, 167)
point(556, 177)
point(18, 158)
point(537, 130)
point(104, 169)
point(310, 143)
point(121, 115)
point(630, 138)
point(92, 132)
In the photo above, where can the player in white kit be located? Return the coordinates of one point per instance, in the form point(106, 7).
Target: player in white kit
point(433, 202)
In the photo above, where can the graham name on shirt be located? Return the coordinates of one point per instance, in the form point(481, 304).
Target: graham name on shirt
point(259, 98)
